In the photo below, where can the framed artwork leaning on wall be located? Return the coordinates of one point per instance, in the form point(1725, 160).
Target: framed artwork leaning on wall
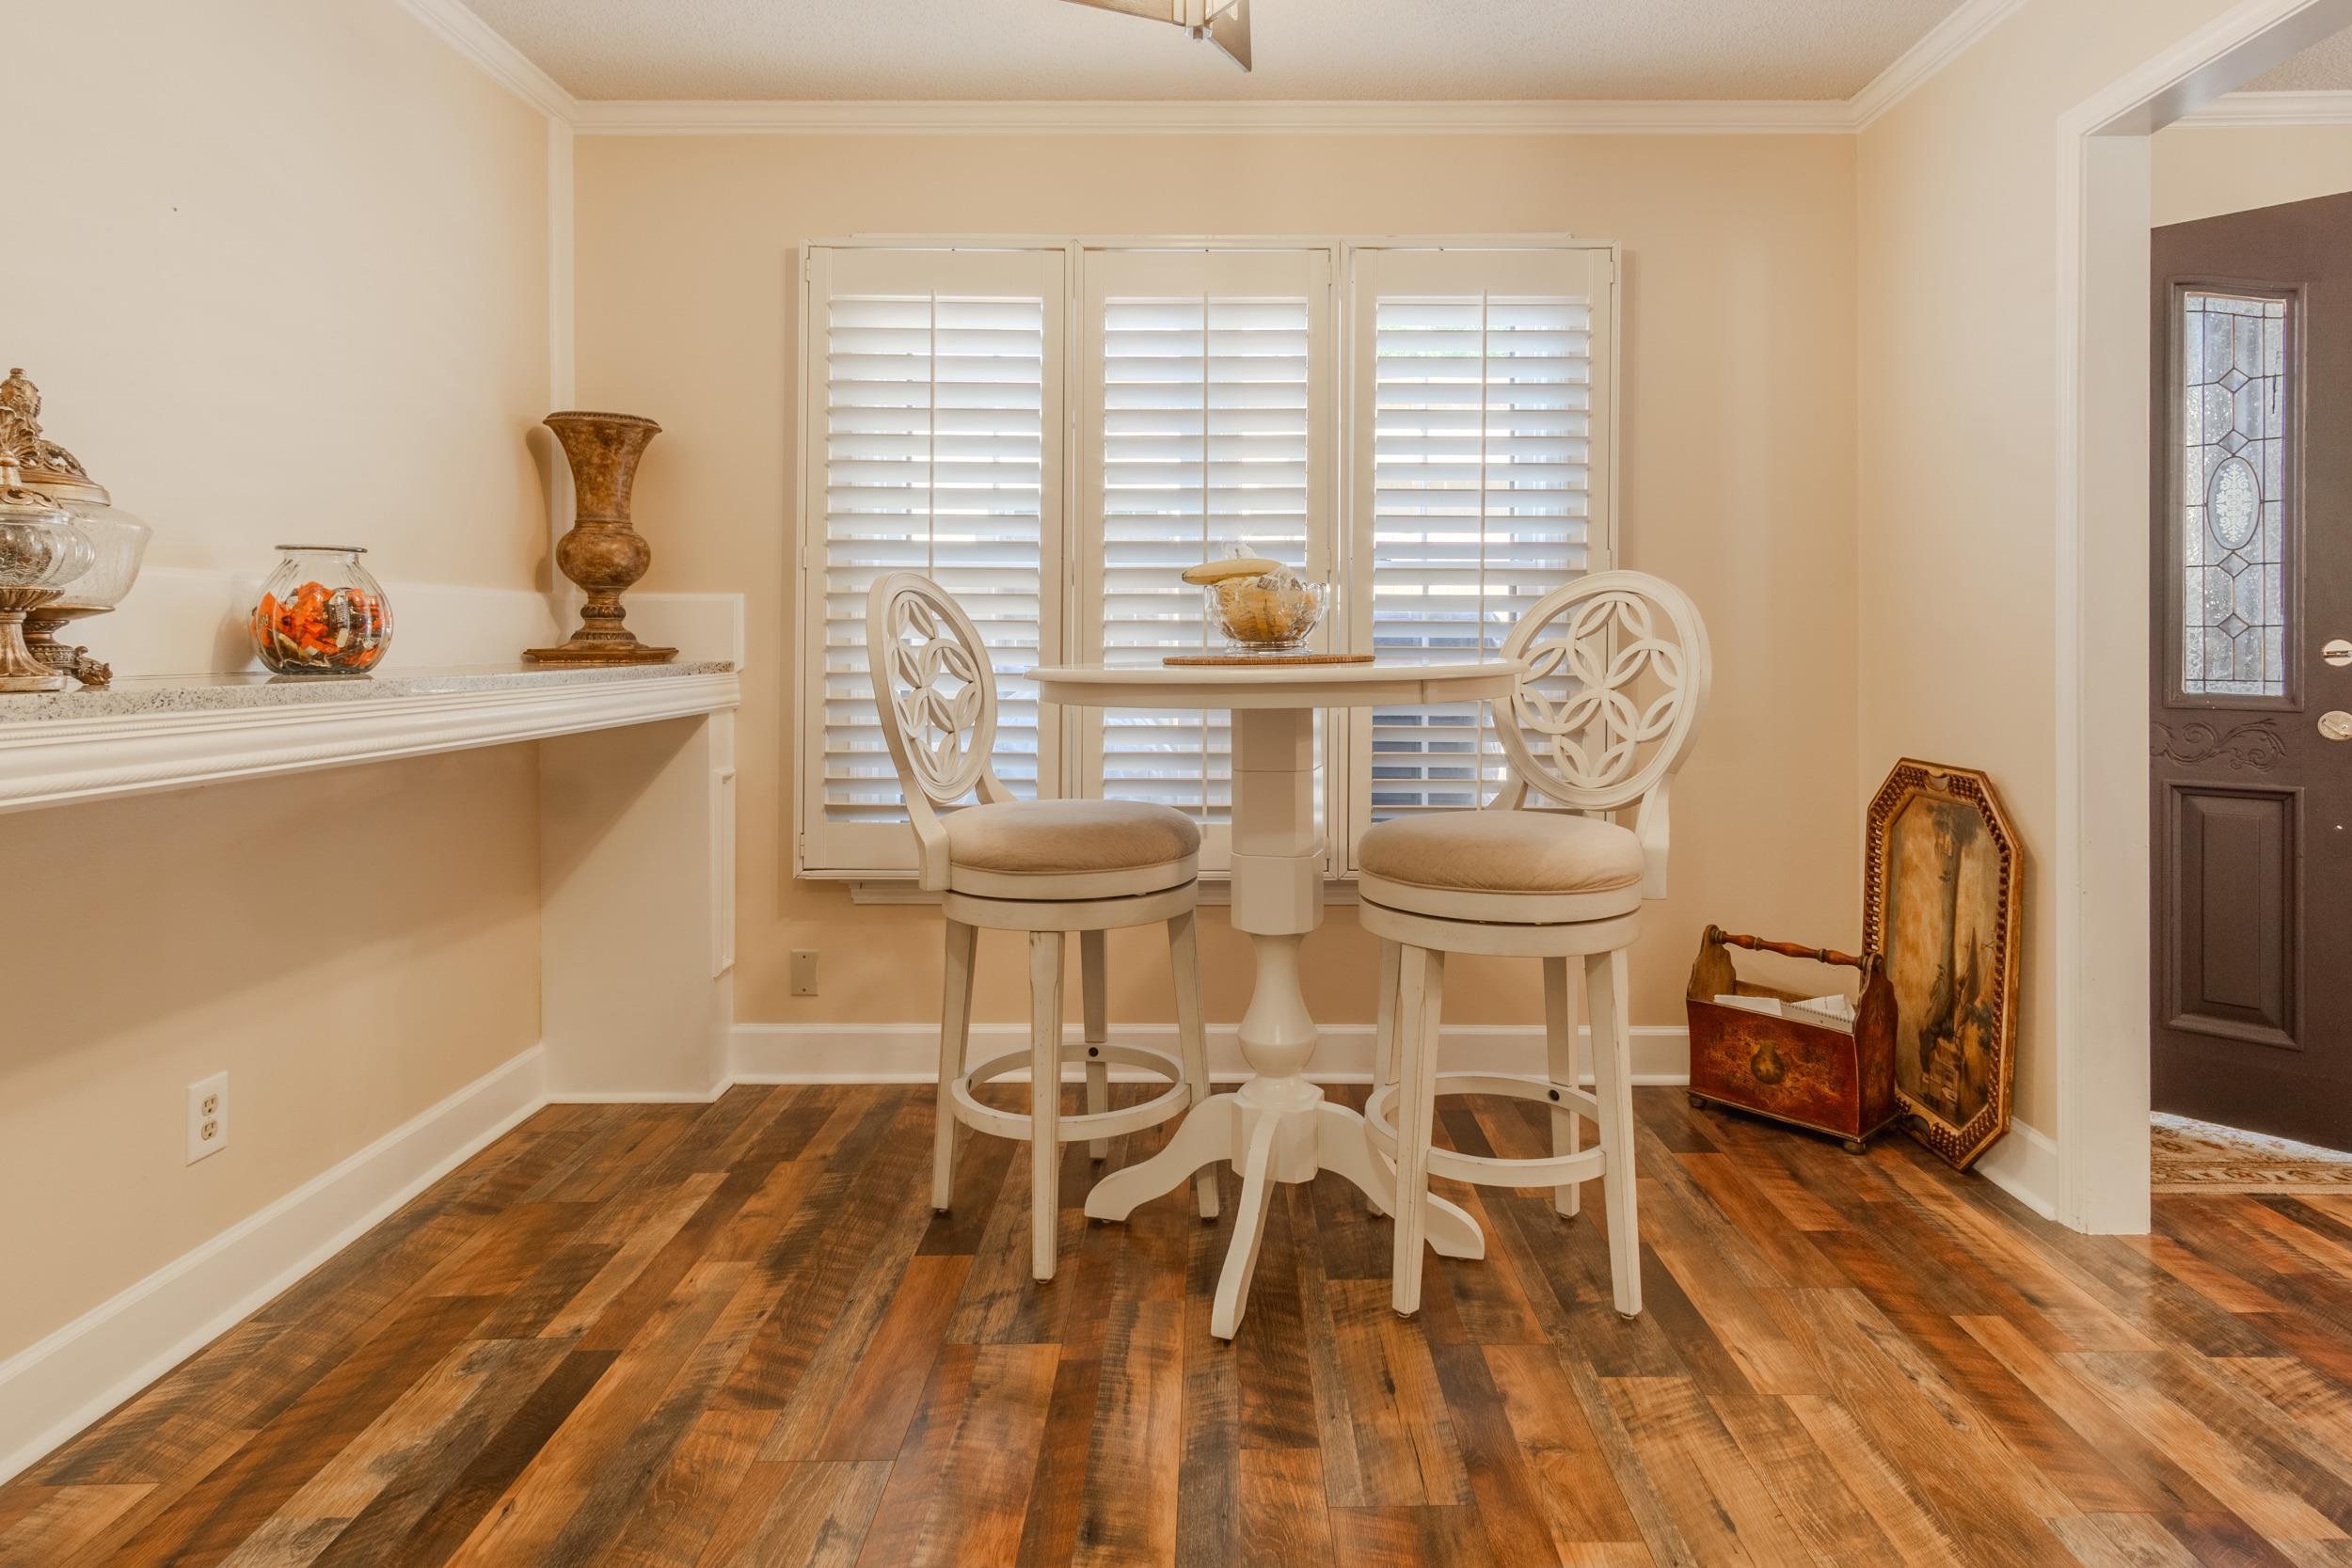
point(1942, 887)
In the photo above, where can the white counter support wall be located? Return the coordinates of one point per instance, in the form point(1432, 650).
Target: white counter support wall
point(636, 878)
point(637, 836)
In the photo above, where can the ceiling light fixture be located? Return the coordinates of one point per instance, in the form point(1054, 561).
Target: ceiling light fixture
point(1223, 23)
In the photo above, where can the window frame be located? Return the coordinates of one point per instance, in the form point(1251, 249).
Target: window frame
point(1352, 791)
point(1083, 736)
point(1334, 525)
point(825, 848)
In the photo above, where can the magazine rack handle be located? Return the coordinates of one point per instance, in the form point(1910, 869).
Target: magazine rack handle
point(1717, 937)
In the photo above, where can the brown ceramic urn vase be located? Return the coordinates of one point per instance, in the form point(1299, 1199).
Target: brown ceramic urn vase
point(602, 552)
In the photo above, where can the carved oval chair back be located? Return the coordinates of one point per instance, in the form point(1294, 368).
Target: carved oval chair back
point(936, 690)
point(1617, 672)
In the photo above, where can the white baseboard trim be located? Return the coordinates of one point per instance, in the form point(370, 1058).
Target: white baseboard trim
point(908, 1052)
point(649, 1097)
point(54, 1388)
point(2025, 1166)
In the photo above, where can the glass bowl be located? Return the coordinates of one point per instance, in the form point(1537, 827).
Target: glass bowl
point(321, 613)
point(1272, 612)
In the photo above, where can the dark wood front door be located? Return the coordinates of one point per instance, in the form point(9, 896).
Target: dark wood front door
point(2250, 678)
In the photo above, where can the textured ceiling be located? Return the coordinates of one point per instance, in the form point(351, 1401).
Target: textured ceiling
point(2325, 66)
point(1306, 49)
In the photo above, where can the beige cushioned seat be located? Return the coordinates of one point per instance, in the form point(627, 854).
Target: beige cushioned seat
point(1522, 853)
point(1039, 840)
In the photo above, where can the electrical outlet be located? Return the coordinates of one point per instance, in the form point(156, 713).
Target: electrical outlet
point(208, 1117)
point(804, 972)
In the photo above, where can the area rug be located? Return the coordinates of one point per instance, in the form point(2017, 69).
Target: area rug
point(2198, 1157)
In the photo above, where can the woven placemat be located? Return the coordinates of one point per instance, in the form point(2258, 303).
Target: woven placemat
point(1266, 658)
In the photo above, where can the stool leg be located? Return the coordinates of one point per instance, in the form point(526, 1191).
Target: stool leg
point(1097, 1005)
point(1045, 957)
point(1607, 997)
point(955, 1034)
point(1384, 1015)
point(1192, 1037)
point(1567, 1128)
point(1384, 1036)
point(1420, 1007)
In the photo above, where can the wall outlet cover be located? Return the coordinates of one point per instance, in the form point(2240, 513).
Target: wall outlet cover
point(804, 972)
point(208, 1117)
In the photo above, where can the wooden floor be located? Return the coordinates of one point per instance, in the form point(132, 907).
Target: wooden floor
point(737, 1334)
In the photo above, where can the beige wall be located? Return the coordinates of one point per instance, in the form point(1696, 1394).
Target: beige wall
point(1957, 197)
point(2203, 171)
point(1739, 413)
point(350, 948)
point(281, 268)
point(292, 280)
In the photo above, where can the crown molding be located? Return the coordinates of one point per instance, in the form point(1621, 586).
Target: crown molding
point(653, 117)
point(2238, 109)
point(479, 42)
point(1944, 44)
point(458, 27)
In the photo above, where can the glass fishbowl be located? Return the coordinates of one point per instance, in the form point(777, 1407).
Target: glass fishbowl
point(321, 613)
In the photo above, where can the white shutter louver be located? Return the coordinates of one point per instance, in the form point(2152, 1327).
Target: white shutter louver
point(1204, 451)
point(1481, 451)
point(931, 449)
point(934, 438)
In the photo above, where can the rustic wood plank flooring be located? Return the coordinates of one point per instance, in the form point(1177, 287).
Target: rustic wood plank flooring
point(734, 1335)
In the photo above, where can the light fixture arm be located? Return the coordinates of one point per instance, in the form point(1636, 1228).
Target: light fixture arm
point(1223, 23)
point(1227, 28)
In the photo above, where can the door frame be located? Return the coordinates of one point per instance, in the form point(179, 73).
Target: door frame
point(2104, 452)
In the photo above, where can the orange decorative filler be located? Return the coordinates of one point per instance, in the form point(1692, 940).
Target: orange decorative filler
point(318, 627)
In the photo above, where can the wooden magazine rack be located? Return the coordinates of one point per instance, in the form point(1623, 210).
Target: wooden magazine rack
point(1811, 1075)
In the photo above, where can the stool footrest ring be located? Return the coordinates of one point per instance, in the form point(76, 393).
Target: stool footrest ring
point(1168, 1104)
point(1489, 1170)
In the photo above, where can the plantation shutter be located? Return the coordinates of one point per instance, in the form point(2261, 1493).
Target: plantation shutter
point(1480, 442)
point(1205, 430)
point(932, 398)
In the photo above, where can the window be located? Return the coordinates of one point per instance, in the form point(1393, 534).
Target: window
point(934, 380)
point(2233, 468)
point(1481, 464)
point(1056, 466)
point(1205, 427)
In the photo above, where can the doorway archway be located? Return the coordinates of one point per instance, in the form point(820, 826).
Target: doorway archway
point(2101, 537)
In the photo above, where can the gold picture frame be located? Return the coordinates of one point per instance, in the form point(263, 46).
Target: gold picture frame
point(1943, 885)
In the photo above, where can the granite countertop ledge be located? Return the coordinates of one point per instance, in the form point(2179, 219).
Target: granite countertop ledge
point(150, 694)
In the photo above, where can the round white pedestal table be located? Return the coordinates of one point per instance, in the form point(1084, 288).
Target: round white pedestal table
point(1277, 1127)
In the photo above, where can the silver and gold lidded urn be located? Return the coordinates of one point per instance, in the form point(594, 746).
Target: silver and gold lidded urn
point(116, 540)
point(41, 550)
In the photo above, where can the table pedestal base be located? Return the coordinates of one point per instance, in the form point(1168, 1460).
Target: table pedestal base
point(1271, 1129)
point(1277, 1127)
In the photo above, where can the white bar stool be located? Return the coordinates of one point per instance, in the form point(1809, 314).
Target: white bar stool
point(1047, 867)
point(1615, 677)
